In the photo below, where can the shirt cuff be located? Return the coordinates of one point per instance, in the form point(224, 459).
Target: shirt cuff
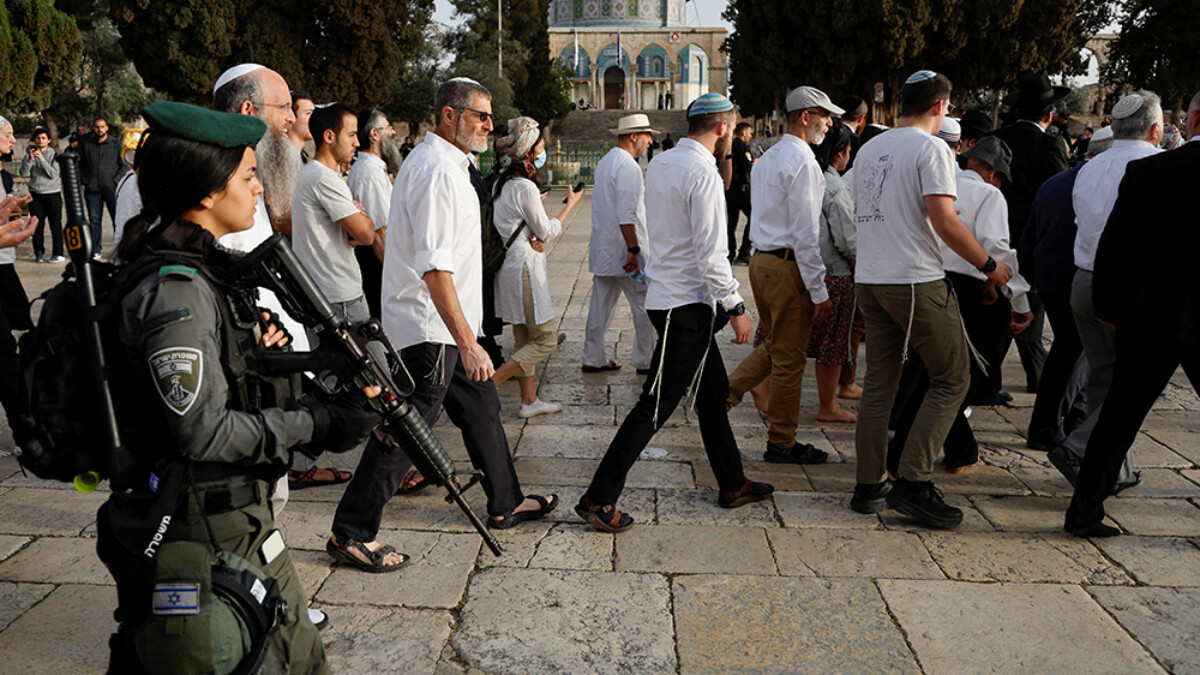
point(731, 301)
point(438, 259)
point(819, 295)
point(1020, 304)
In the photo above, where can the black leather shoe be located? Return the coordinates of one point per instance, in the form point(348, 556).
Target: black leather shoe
point(1092, 530)
point(870, 498)
point(922, 501)
point(800, 453)
point(1066, 463)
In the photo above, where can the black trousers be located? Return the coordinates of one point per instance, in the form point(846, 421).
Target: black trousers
point(474, 407)
point(736, 203)
point(1063, 385)
point(1029, 346)
point(1144, 364)
point(14, 315)
point(48, 209)
point(681, 345)
point(372, 277)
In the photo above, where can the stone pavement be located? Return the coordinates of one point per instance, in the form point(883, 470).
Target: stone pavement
point(797, 584)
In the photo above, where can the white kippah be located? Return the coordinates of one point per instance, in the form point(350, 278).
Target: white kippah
point(1128, 106)
point(920, 76)
point(462, 79)
point(234, 73)
point(951, 130)
point(3, 122)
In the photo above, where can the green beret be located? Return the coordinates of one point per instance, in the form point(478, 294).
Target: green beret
point(227, 130)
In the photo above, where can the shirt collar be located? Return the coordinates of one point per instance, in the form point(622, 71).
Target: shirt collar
point(805, 148)
point(447, 149)
point(370, 157)
point(693, 145)
point(970, 174)
point(1130, 144)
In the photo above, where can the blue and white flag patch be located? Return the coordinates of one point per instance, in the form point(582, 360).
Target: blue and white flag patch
point(176, 599)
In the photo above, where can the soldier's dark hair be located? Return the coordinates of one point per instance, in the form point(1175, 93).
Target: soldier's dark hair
point(233, 93)
point(174, 175)
point(918, 97)
point(331, 117)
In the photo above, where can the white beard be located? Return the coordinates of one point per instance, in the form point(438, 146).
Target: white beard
point(279, 168)
point(389, 149)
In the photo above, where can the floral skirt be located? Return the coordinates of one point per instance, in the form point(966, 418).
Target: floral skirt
point(830, 341)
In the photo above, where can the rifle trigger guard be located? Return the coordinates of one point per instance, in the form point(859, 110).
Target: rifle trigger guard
point(475, 475)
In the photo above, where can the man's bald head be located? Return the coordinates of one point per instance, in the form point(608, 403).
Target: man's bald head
point(259, 91)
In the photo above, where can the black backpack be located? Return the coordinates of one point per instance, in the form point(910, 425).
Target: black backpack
point(493, 245)
point(59, 435)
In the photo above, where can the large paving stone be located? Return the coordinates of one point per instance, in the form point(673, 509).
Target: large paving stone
point(575, 547)
point(694, 550)
point(982, 480)
point(645, 474)
point(56, 513)
point(57, 560)
point(436, 578)
point(1044, 481)
point(1165, 620)
point(67, 632)
point(602, 415)
point(370, 640)
point(552, 621)
point(10, 544)
point(818, 509)
point(699, 507)
point(573, 442)
point(1184, 443)
point(1020, 557)
point(1162, 484)
point(785, 625)
point(16, 598)
point(836, 477)
point(852, 553)
point(1176, 517)
point(519, 544)
point(1157, 561)
point(1024, 514)
point(982, 628)
point(789, 477)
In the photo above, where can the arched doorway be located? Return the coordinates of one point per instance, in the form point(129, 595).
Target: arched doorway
point(614, 88)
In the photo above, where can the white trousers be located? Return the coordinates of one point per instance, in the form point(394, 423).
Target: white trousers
point(605, 291)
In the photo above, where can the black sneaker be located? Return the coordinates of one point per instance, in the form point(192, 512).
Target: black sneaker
point(1066, 463)
point(922, 501)
point(870, 498)
point(800, 453)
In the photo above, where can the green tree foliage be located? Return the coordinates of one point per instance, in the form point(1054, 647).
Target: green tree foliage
point(1156, 50)
point(40, 48)
point(847, 45)
point(413, 87)
point(344, 50)
point(540, 88)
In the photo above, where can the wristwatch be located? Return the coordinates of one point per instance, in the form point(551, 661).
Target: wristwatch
point(989, 266)
point(738, 309)
point(634, 249)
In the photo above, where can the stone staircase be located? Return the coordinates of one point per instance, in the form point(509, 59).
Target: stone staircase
point(590, 127)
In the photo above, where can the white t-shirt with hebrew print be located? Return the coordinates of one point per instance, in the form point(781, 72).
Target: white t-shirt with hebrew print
point(892, 176)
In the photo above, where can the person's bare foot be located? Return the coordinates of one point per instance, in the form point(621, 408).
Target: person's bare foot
point(389, 560)
point(851, 392)
point(837, 415)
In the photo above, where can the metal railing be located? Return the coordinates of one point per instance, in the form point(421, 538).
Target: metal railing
point(585, 157)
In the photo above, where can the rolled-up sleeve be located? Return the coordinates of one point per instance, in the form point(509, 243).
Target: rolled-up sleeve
point(805, 196)
point(433, 239)
point(991, 227)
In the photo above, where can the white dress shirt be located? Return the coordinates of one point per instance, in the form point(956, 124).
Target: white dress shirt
point(1095, 193)
point(371, 187)
point(129, 204)
point(520, 200)
point(617, 199)
point(8, 256)
point(433, 224)
point(686, 237)
point(787, 190)
point(985, 212)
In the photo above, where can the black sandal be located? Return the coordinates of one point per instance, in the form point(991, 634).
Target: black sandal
point(611, 365)
point(343, 555)
point(511, 519)
point(606, 518)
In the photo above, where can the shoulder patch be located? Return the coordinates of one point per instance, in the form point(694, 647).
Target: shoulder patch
point(177, 271)
point(179, 373)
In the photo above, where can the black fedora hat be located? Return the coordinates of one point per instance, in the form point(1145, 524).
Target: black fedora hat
point(975, 124)
point(1034, 90)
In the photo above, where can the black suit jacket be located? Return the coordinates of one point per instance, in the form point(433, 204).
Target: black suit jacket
point(1037, 156)
point(1145, 275)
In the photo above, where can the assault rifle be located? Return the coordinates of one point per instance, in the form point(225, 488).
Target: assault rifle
point(343, 352)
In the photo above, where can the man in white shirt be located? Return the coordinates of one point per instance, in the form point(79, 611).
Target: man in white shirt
point(689, 274)
point(614, 253)
point(432, 308)
point(904, 187)
point(1137, 128)
point(372, 188)
point(326, 221)
point(786, 272)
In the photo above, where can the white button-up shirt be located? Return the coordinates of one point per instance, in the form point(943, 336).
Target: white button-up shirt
point(519, 200)
point(371, 187)
point(618, 199)
point(1095, 193)
point(686, 238)
point(982, 207)
point(787, 189)
point(433, 224)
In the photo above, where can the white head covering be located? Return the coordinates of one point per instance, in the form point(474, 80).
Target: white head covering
point(3, 122)
point(234, 73)
point(951, 130)
point(1128, 106)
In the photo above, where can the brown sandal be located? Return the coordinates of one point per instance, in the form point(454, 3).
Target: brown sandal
point(300, 480)
point(606, 517)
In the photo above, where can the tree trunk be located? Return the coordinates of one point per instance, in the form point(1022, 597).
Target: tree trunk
point(51, 128)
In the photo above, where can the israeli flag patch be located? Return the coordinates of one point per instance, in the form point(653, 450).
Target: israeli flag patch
point(176, 599)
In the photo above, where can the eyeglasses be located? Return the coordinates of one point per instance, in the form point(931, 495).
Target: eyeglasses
point(949, 107)
point(259, 104)
point(483, 116)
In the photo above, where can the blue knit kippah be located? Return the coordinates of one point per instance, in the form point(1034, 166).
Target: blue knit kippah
point(920, 76)
point(709, 103)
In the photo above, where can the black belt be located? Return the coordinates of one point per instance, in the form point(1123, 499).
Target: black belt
point(785, 253)
point(224, 500)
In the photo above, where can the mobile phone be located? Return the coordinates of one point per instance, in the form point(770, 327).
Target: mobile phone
point(578, 188)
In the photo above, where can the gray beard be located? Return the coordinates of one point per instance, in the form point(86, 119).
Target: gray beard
point(279, 168)
point(389, 149)
point(462, 135)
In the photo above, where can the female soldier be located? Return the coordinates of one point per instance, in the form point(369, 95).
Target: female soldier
point(522, 290)
point(182, 327)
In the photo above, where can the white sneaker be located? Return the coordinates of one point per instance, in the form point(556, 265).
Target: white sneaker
point(538, 407)
point(318, 618)
point(58, 259)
